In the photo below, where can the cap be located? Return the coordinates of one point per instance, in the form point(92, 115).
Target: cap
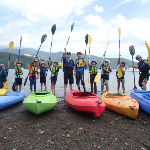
point(35, 60)
point(1, 65)
point(107, 61)
point(93, 61)
point(43, 63)
point(19, 62)
point(79, 53)
point(138, 56)
point(69, 53)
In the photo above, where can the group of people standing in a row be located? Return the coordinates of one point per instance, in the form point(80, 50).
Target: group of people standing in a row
point(78, 67)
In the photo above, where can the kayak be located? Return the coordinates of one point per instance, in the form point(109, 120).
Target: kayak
point(11, 99)
point(121, 103)
point(3, 91)
point(86, 102)
point(143, 98)
point(40, 102)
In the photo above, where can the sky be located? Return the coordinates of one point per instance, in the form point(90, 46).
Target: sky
point(98, 18)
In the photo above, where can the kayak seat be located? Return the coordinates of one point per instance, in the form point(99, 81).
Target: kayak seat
point(82, 94)
point(113, 95)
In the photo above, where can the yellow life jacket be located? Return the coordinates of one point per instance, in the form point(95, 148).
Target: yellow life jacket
point(33, 70)
point(18, 72)
point(105, 72)
point(93, 70)
point(79, 63)
point(53, 70)
point(120, 73)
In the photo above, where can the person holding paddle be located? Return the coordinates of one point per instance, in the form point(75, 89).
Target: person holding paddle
point(120, 75)
point(93, 72)
point(143, 67)
point(68, 70)
point(18, 74)
point(106, 69)
point(33, 71)
point(3, 74)
point(79, 70)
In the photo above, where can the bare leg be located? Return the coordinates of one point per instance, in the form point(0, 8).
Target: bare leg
point(20, 86)
point(45, 86)
point(65, 86)
point(144, 85)
point(17, 89)
point(118, 83)
point(70, 86)
point(54, 88)
point(107, 88)
point(123, 88)
point(102, 87)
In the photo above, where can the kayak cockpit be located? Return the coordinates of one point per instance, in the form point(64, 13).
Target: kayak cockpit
point(83, 94)
point(114, 95)
point(41, 93)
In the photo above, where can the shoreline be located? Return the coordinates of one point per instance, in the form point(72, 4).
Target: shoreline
point(65, 128)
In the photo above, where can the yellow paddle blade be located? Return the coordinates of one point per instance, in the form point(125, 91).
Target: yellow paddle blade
point(88, 77)
point(107, 43)
point(27, 55)
point(6, 85)
point(148, 47)
point(3, 91)
point(119, 73)
point(11, 45)
point(97, 78)
point(89, 40)
point(119, 31)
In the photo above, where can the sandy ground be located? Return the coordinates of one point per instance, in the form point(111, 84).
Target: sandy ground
point(65, 128)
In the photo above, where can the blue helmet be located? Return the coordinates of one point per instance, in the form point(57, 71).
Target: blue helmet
point(138, 56)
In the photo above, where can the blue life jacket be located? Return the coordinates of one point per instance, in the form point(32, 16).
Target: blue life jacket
point(3, 74)
point(43, 72)
point(68, 63)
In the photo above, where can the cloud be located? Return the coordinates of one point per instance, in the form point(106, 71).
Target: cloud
point(144, 1)
point(99, 9)
point(122, 2)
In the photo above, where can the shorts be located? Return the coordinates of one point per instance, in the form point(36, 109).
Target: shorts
point(54, 79)
point(2, 83)
point(122, 78)
point(18, 81)
point(42, 79)
point(142, 78)
point(80, 76)
point(104, 82)
point(68, 75)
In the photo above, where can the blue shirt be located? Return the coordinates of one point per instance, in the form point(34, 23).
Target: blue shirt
point(78, 63)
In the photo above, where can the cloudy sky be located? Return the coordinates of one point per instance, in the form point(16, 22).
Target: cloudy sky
point(98, 18)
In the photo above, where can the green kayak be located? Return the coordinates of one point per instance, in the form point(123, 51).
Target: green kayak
point(39, 102)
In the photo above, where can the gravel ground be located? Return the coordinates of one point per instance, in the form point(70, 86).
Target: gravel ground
point(65, 128)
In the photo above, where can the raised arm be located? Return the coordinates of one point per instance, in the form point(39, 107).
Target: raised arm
point(118, 61)
point(15, 62)
point(50, 61)
point(32, 61)
point(65, 53)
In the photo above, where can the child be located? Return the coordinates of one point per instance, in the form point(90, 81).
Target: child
point(18, 74)
point(33, 70)
point(43, 74)
point(79, 70)
point(106, 69)
point(120, 76)
point(93, 72)
point(3, 74)
point(54, 72)
point(144, 71)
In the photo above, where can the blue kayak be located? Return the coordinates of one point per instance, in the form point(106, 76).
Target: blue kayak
point(143, 98)
point(11, 99)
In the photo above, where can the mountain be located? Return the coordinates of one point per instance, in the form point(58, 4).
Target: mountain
point(26, 60)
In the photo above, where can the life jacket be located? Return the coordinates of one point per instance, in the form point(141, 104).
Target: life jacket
point(143, 66)
point(123, 73)
point(3, 74)
point(93, 70)
point(54, 70)
point(104, 72)
point(43, 72)
point(68, 63)
point(33, 71)
point(79, 63)
point(18, 72)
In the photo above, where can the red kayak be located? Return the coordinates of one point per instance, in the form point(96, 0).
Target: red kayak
point(85, 102)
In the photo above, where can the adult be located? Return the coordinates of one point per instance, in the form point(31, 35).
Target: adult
point(68, 70)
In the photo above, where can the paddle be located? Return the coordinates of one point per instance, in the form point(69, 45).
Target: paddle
point(119, 31)
point(132, 52)
point(42, 40)
point(20, 47)
point(148, 48)
point(90, 41)
point(86, 42)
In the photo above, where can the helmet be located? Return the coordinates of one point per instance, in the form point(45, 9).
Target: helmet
point(19, 62)
point(1, 65)
point(138, 56)
point(93, 61)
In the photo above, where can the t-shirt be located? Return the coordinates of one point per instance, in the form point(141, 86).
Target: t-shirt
point(67, 69)
point(79, 65)
point(18, 76)
point(104, 76)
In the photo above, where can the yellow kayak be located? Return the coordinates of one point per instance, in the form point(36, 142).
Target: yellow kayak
point(148, 47)
point(121, 103)
point(3, 91)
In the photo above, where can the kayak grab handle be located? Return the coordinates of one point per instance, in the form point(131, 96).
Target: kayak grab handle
point(131, 107)
point(39, 101)
point(98, 102)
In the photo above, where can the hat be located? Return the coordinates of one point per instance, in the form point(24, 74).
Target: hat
point(107, 61)
point(69, 53)
point(93, 61)
point(138, 56)
point(19, 62)
point(35, 60)
point(1, 65)
point(56, 62)
point(123, 62)
point(43, 63)
point(79, 53)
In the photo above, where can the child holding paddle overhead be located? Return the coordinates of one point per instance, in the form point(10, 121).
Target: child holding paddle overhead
point(143, 67)
point(106, 69)
point(18, 74)
point(54, 72)
point(33, 71)
point(79, 70)
point(43, 74)
point(120, 75)
point(93, 72)
point(3, 74)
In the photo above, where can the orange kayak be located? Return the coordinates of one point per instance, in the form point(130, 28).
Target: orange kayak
point(121, 103)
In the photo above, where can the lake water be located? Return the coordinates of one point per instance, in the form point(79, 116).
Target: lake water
point(129, 83)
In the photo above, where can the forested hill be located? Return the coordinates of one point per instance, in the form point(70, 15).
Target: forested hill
point(26, 60)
